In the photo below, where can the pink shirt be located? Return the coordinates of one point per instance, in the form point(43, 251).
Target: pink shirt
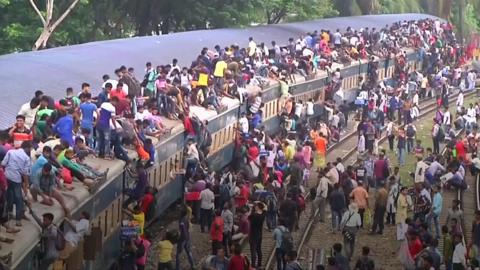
point(307, 154)
point(146, 244)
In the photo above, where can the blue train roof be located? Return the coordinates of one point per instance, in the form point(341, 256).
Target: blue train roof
point(53, 70)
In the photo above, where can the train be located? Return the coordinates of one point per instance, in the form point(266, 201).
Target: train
point(102, 247)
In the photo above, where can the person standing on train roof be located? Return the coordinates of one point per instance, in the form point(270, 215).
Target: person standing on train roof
point(106, 116)
point(88, 111)
point(29, 110)
point(105, 94)
point(118, 92)
point(64, 127)
point(17, 165)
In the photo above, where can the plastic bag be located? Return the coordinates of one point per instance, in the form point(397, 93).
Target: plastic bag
point(404, 256)
point(367, 218)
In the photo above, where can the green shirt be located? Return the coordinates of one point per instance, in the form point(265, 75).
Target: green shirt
point(67, 162)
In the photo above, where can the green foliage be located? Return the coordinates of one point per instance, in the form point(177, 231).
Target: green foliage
point(94, 20)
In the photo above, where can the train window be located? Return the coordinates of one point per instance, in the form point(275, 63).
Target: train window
point(167, 166)
point(119, 210)
point(105, 223)
point(162, 169)
point(113, 223)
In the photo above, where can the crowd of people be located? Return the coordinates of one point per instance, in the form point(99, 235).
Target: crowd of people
point(51, 142)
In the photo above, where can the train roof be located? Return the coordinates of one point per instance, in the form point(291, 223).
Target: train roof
point(53, 70)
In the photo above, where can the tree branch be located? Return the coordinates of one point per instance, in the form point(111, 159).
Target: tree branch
point(49, 10)
point(65, 14)
point(38, 12)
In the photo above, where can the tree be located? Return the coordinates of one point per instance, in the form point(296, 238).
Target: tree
point(49, 24)
point(276, 11)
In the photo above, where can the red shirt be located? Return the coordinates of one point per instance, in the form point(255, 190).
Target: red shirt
point(187, 124)
point(253, 152)
point(415, 247)
point(146, 202)
point(123, 106)
point(115, 93)
point(216, 232)
point(242, 198)
point(237, 262)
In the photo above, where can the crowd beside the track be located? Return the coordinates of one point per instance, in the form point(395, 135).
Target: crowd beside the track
point(52, 144)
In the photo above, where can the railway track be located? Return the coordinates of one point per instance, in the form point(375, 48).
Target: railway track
point(345, 149)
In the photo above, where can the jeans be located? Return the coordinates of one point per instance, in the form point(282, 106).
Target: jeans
point(378, 218)
point(433, 217)
point(409, 145)
point(205, 219)
point(271, 220)
point(103, 139)
point(390, 142)
point(165, 103)
point(436, 145)
point(88, 135)
point(184, 245)
point(401, 156)
point(256, 251)
point(14, 196)
point(280, 256)
point(118, 150)
point(336, 219)
point(227, 242)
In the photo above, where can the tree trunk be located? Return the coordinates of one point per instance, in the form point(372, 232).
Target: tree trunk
point(41, 42)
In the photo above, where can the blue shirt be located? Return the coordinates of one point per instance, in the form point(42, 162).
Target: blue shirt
point(106, 112)
point(437, 204)
point(16, 163)
point(38, 165)
point(64, 129)
point(102, 97)
point(87, 110)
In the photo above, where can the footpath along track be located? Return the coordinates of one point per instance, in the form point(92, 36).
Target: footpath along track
point(344, 149)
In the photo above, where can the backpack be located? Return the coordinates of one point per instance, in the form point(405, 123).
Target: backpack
point(440, 134)
point(287, 241)
point(197, 124)
point(410, 131)
point(271, 204)
point(60, 240)
point(224, 193)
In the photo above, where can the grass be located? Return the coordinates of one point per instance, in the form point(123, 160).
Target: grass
point(423, 126)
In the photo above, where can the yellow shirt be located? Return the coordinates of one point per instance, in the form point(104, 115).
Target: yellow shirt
point(326, 37)
point(140, 218)
point(289, 152)
point(165, 251)
point(202, 79)
point(220, 68)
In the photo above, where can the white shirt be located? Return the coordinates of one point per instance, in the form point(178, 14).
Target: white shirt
point(142, 115)
point(459, 254)
point(81, 227)
point(322, 188)
point(361, 144)
point(243, 124)
point(420, 172)
point(460, 99)
point(207, 199)
point(29, 114)
point(446, 118)
point(415, 99)
point(310, 108)
point(298, 109)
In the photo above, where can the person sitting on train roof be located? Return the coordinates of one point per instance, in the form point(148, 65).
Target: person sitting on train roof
point(19, 132)
point(88, 176)
point(74, 233)
point(43, 183)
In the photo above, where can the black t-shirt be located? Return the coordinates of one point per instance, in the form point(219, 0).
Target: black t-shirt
point(256, 225)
